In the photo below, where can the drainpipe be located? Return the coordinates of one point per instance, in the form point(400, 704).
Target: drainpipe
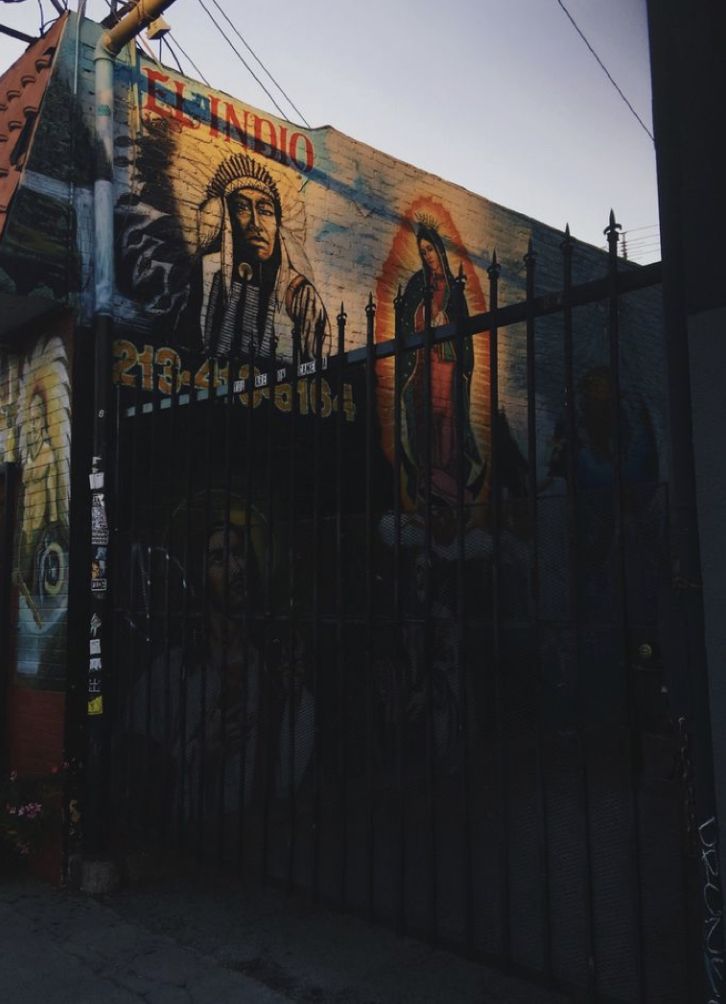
point(98, 874)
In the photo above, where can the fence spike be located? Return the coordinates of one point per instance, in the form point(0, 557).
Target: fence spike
point(612, 227)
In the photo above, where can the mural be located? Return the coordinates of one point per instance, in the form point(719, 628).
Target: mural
point(221, 260)
point(35, 433)
point(246, 282)
point(420, 246)
point(236, 675)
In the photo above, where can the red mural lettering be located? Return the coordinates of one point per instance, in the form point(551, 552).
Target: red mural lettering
point(152, 95)
point(233, 122)
point(213, 115)
point(179, 115)
point(248, 129)
point(266, 147)
point(307, 164)
point(282, 146)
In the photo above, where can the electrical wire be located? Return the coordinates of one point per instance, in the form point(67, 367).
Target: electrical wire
point(189, 59)
point(239, 55)
point(165, 41)
point(604, 68)
point(260, 63)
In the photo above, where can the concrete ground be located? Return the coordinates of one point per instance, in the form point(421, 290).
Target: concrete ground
point(208, 941)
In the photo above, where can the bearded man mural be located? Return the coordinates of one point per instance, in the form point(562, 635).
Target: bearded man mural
point(251, 284)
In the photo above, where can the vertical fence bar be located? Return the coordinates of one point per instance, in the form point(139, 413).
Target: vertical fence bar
point(340, 612)
point(317, 625)
point(460, 398)
point(168, 506)
point(123, 670)
point(530, 261)
point(149, 771)
point(631, 714)
point(266, 718)
point(427, 608)
point(246, 733)
point(370, 408)
point(499, 669)
point(398, 609)
point(292, 586)
point(187, 587)
point(223, 696)
point(574, 611)
point(206, 634)
point(137, 572)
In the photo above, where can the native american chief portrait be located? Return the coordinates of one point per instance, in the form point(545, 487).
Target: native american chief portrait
point(251, 284)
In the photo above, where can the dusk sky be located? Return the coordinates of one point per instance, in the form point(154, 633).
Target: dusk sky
point(504, 99)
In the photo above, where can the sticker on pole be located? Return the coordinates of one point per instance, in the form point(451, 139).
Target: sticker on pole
point(99, 520)
point(99, 582)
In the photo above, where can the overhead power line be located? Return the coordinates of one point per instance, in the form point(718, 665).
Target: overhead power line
point(188, 58)
point(239, 55)
point(172, 52)
point(604, 68)
point(260, 63)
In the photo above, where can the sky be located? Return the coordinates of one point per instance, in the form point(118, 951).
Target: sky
point(503, 98)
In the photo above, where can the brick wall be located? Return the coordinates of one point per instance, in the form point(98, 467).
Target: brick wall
point(35, 434)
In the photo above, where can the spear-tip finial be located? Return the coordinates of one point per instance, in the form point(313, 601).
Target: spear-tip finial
point(612, 227)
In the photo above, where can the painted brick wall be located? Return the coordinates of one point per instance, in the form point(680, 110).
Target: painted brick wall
point(348, 222)
point(35, 434)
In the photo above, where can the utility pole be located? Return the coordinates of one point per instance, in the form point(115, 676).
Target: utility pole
point(689, 89)
point(98, 872)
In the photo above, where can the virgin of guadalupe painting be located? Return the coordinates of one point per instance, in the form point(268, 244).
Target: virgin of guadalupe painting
point(448, 306)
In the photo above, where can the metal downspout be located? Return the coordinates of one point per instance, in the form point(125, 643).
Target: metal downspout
point(98, 873)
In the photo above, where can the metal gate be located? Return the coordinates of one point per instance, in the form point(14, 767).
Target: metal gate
point(363, 653)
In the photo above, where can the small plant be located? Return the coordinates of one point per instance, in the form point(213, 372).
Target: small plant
point(29, 806)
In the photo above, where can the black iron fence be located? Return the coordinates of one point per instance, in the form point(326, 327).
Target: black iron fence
point(382, 637)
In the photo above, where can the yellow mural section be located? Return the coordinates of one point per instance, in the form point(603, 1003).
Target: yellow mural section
point(35, 435)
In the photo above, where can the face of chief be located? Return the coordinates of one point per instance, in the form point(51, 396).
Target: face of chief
point(254, 221)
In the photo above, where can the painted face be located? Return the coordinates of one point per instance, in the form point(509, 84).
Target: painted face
point(235, 574)
point(429, 256)
point(254, 222)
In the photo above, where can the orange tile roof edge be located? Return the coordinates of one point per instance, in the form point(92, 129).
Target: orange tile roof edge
point(22, 88)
